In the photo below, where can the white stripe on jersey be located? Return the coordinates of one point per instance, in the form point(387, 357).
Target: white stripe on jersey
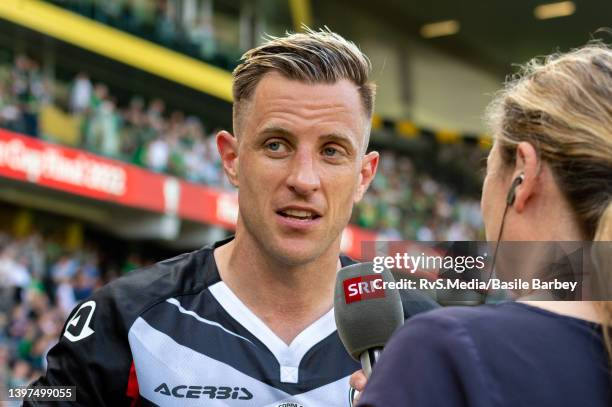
point(288, 356)
point(175, 302)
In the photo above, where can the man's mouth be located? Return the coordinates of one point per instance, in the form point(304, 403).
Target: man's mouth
point(298, 214)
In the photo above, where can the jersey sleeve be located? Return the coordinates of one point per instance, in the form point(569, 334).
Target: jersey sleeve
point(431, 361)
point(92, 354)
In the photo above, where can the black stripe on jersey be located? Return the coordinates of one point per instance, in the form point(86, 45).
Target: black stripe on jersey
point(328, 360)
point(208, 307)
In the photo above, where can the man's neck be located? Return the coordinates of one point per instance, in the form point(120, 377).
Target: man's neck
point(286, 298)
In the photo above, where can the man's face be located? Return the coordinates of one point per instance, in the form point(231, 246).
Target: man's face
point(300, 165)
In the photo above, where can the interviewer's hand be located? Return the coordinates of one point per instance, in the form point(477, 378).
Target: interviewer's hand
point(358, 381)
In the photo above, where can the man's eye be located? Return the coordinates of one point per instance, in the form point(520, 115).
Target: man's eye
point(330, 151)
point(274, 146)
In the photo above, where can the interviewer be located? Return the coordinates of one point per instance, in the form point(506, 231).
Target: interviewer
point(553, 149)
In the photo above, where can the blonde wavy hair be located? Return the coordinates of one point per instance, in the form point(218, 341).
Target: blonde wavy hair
point(562, 105)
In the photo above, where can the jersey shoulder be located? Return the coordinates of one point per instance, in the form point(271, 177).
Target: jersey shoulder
point(131, 295)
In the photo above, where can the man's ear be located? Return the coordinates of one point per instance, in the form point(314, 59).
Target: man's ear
point(527, 163)
point(227, 145)
point(369, 165)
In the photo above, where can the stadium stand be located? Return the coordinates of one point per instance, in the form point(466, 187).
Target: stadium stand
point(163, 23)
point(402, 203)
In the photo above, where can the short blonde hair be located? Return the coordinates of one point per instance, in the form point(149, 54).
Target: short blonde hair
point(313, 56)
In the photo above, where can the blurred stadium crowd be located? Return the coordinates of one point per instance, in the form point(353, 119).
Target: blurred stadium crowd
point(403, 203)
point(139, 134)
point(170, 23)
point(40, 282)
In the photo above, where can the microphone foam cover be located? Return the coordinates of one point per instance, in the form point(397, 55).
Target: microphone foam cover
point(366, 314)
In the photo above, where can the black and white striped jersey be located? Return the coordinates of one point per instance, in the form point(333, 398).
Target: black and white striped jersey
point(174, 334)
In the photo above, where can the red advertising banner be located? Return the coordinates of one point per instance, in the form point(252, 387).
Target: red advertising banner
point(78, 172)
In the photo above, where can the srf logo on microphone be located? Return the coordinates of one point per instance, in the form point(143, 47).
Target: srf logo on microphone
point(363, 288)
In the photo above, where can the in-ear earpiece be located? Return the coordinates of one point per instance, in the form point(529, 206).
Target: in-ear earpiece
point(512, 192)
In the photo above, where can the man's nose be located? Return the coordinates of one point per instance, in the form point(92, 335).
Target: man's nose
point(304, 178)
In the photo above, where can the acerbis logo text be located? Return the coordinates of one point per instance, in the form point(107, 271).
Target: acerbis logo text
point(211, 392)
